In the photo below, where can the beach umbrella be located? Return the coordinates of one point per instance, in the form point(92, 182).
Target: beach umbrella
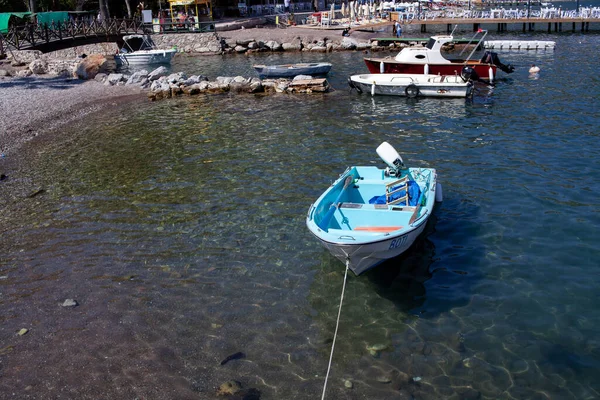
point(352, 13)
point(332, 14)
point(343, 10)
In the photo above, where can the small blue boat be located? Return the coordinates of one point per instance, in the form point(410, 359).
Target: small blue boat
point(292, 70)
point(369, 214)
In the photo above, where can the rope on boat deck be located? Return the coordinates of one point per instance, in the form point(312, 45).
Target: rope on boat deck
point(337, 324)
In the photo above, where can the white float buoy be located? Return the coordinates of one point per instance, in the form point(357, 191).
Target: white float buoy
point(491, 74)
point(373, 89)
point(438, 192)
point(381, 67)
point(426, 69)
point(534, 69)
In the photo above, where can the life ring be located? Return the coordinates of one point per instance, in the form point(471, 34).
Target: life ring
point(411, 91)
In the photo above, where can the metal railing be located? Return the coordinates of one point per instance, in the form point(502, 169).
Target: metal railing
point(32, 36)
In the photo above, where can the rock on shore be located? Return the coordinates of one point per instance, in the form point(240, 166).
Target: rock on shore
point(73, 61)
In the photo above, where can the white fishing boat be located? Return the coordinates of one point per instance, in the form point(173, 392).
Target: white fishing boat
point(292, 70)
point(141, 50)
point(413, 85)
point(430, 60)
point(369, 215)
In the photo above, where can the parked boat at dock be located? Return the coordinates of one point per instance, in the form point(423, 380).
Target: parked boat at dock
point(429, 60)
point(369, 214)
point(412, 85)
point(141, 50)
point(292, 70)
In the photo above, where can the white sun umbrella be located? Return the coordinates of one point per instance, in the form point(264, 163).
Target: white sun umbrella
point(352, 12)
point(343, 10)
point(332, 13)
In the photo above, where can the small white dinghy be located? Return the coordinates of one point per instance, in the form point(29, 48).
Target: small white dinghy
point(141, 50)
point(292, 70)
point(413, 85)
point(370, 214)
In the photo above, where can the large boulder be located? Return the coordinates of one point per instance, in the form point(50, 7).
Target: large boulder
point(176, 77)
point(349, 44)
point(113, 79)
point(38, 67)
point(295, 44)
point(61, 68)
point(137, 77)
point(90, 66)
point(274, 45)
point(157, 73)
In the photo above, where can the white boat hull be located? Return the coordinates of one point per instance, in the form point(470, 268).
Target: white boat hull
point(363, 257)
point(368, 216)
point(411, 85)
point(143, 57)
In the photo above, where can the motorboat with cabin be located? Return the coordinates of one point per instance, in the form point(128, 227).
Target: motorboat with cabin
point(430, 60)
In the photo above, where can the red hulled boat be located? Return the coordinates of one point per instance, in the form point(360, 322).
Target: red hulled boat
point(429, 60)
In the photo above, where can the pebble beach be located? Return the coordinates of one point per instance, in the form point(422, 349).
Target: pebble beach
point(36, 104)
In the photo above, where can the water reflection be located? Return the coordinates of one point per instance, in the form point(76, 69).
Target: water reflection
point(390, 108)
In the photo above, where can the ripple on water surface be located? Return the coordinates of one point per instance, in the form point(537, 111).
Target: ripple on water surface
point(179, 228)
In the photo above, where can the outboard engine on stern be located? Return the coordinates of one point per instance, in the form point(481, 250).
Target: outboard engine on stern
point(468, 74)
point(490, 57)
point(391, 157)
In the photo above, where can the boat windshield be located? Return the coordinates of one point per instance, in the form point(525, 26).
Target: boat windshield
point(136, 43)
point(430, 43)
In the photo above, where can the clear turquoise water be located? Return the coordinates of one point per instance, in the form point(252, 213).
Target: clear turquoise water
point(178, 226)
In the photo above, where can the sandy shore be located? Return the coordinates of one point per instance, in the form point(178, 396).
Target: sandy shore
point(36, 104)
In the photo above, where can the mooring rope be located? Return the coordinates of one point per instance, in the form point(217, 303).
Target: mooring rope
point(337, 324)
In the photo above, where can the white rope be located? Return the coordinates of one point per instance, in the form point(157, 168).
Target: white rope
point(337, 324)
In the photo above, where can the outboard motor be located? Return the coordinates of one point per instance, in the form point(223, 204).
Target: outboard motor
point(391, 157)
point(468, 74)
point(490, 57)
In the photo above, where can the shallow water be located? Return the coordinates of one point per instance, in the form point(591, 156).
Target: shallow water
point(178, 226)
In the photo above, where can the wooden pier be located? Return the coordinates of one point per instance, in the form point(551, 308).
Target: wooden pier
point(557, 24)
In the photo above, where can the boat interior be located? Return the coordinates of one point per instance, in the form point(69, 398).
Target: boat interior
point(374, 203)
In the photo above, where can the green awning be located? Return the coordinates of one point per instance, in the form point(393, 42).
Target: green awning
point(5, 17)
point(52, 16)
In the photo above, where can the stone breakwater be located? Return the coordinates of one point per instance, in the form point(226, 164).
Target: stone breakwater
point(160, 84)
point(68, 62)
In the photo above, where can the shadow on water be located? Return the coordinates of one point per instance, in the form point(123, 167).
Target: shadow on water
point(402, 279)
point(421, 282)
point(38, 83)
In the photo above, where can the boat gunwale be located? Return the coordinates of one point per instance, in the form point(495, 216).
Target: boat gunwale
point(365, 237)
